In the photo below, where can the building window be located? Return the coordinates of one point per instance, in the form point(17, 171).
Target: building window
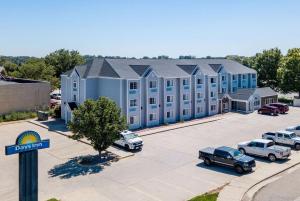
point(212, 80)
point(212, 94)
point(169, 99)
point(234, 89)
point(74, 84)
point(170, 83)
point(133, 85)
point(170, 114)
point(133, 103)
point(199, 110)
point(253, 76)
point(185, 82)
point(256, 103)
point(152, 84)
point(185, 111)
point(223, 90)
point(199, 81)
point(199, 95)
point(185, 97)
point(74, 98)
point(152, 117)
point(152, 101)
point(244, 76)
point(234, 77)
point(213, 107)
point(132, 120)
point(223, 77)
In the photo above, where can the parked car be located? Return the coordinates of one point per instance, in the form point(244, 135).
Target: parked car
point(267, 109)
point(286, 138)
point(129, 141)
point(283, 108)
point(295, 129)
point(229, 157)
point(56, 96)
point(264, 148)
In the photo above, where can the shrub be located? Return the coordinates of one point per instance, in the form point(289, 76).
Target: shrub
point(285, 100)
point(14, 116)
point(57, 111)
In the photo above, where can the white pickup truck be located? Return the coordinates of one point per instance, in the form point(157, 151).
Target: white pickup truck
point(264, 148)
point(129, 141)
point(295, 129)
point(286, 138)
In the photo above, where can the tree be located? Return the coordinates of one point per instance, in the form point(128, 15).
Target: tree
point(266, 65)
point(63, 60)
point(99, 121)
point(289, 72)
point(9, 67)
point(36, 69)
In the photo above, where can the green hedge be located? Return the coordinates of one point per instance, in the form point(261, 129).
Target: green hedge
point(285, 100)
point(15, 116)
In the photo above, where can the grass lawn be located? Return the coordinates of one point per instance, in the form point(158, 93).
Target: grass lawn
point(206, 197)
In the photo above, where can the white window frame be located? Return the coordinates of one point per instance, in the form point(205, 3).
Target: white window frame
point(213, 107)
point(74, 97)
point(133, 85)
point(199, 109)
point(170, 83)
point(170, 114)
point(185, 112)
point(154, 101)
point(199, 95)
point(153, 115)
point(185, 82)
point(170, 99)
point(132, 118)
point(185, 97)
point(201, 81)
point(152, 84)
point(134, 101)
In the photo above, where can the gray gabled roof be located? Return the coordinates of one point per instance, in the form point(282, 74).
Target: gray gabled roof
point(265, 92)
point(242, 94)
point(168, 68)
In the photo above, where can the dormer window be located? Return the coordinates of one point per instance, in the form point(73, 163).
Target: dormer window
point(212, 80)
point(244, 76)
point(223, 78)
point(152, 84)
point(74, 84)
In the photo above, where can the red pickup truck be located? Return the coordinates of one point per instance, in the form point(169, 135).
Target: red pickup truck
point(267, 109)
point(283, 108)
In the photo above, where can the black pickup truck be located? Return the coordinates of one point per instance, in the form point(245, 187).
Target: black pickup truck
point(229, 157)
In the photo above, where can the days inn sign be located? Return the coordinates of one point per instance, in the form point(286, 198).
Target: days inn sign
point(27, 141)
point(27, 145)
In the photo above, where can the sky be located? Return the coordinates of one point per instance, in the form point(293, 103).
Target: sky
point(137, 28)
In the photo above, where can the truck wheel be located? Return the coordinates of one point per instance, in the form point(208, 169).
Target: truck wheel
point(297, 146)
point(272, 157)
point(127, 147)
point(239, 169)
point(207, 161)
point(242, 151)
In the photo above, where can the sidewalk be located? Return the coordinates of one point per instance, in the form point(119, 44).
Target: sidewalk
point(169, 127)
point(241, 188)
point(58, 126)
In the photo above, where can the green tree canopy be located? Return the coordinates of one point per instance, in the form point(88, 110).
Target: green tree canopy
point(63, 60)
point(36, 69)
point(289, 72)
point(99, 121)
point(266, 65)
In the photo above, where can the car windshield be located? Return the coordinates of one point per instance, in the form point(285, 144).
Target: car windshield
point(293, 135)
point(270, 144)
point(235, 153)
point(130, 136)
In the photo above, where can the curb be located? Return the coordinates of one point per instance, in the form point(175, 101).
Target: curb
point(244, 198)
point(175, 128)
point(15, 122)
point(61, 133)
point(243, 193)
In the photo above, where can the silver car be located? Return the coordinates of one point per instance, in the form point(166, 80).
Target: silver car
point(295, 129)
point(264, 148)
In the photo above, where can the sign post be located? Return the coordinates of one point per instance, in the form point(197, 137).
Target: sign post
point(27, 145)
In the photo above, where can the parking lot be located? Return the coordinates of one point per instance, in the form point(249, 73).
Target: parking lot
point(166, 169)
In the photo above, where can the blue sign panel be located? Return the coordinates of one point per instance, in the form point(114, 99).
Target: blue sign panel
point(27, 141)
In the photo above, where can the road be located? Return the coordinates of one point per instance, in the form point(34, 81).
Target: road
point(286, 188)
point(166, 169)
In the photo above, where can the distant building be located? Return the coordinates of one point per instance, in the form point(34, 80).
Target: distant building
point(157, 91)
point(23, 95)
